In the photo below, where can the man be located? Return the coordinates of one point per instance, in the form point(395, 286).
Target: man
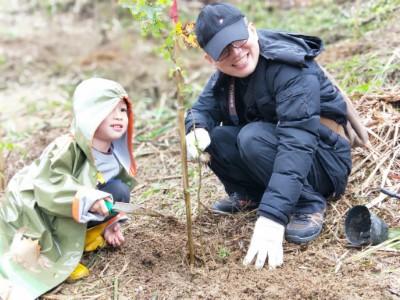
point(274, 127)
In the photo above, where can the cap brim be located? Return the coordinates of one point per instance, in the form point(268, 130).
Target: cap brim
point(234, 32)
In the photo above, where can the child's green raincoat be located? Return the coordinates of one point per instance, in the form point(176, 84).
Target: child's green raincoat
point(45, 210)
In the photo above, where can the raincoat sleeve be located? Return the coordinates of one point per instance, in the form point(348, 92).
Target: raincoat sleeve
point(64, 182)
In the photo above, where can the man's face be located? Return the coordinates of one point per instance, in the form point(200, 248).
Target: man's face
point(114, 125)
point(242, 61)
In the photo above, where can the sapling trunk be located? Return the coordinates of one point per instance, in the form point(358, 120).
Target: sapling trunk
point(181, 122)
point(182, 136)
point(149, 14)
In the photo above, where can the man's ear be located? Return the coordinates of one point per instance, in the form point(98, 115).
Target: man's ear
point(210, 60)
point(253, 29)
point(252, 26)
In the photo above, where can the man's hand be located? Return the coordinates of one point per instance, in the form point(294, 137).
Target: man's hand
point(196, 141)
point(266, 241)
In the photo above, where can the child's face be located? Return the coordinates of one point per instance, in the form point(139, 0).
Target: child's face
point(242, 61)
point(114, 125)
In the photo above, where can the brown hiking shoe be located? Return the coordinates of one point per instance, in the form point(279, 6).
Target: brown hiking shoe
point(234, 204)
point(304, 228)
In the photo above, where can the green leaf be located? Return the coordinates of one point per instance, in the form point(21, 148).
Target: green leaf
point(155, 133)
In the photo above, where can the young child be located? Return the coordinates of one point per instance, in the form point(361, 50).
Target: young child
point(56, 208)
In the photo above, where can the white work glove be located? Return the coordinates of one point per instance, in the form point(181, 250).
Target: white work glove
point(266, 241)
point(196, 141)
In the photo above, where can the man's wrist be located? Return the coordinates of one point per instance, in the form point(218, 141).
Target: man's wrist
point(271, 217)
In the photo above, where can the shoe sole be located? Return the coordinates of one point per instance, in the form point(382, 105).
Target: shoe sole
point(299, 240)
point(220, 212)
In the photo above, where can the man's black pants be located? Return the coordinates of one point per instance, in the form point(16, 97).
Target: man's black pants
point(243, 159)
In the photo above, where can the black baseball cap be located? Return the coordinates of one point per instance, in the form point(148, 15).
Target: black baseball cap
point(218, 25)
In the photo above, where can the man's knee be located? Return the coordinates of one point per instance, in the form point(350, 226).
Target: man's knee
point(223, 139)
point(256, 136)
point(224, 133)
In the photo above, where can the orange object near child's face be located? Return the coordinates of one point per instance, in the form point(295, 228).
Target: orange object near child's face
point(114, 125)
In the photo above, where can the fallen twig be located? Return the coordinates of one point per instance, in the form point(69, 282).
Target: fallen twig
point(116, 288)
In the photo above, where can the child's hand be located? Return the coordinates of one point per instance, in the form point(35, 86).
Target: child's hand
point(100, 207)
point(113, 235)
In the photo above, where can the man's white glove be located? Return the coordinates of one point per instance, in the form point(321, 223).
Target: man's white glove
point(196, 141)
point(266, 241)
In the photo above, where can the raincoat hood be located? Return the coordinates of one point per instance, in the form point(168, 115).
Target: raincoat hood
point(94, 99)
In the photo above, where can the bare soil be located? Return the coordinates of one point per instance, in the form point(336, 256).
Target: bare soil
point(45, 57)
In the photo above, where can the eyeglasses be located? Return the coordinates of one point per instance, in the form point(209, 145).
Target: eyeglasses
point(226, 52)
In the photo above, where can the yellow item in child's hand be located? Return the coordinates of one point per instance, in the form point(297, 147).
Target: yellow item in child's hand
point(100, 179)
